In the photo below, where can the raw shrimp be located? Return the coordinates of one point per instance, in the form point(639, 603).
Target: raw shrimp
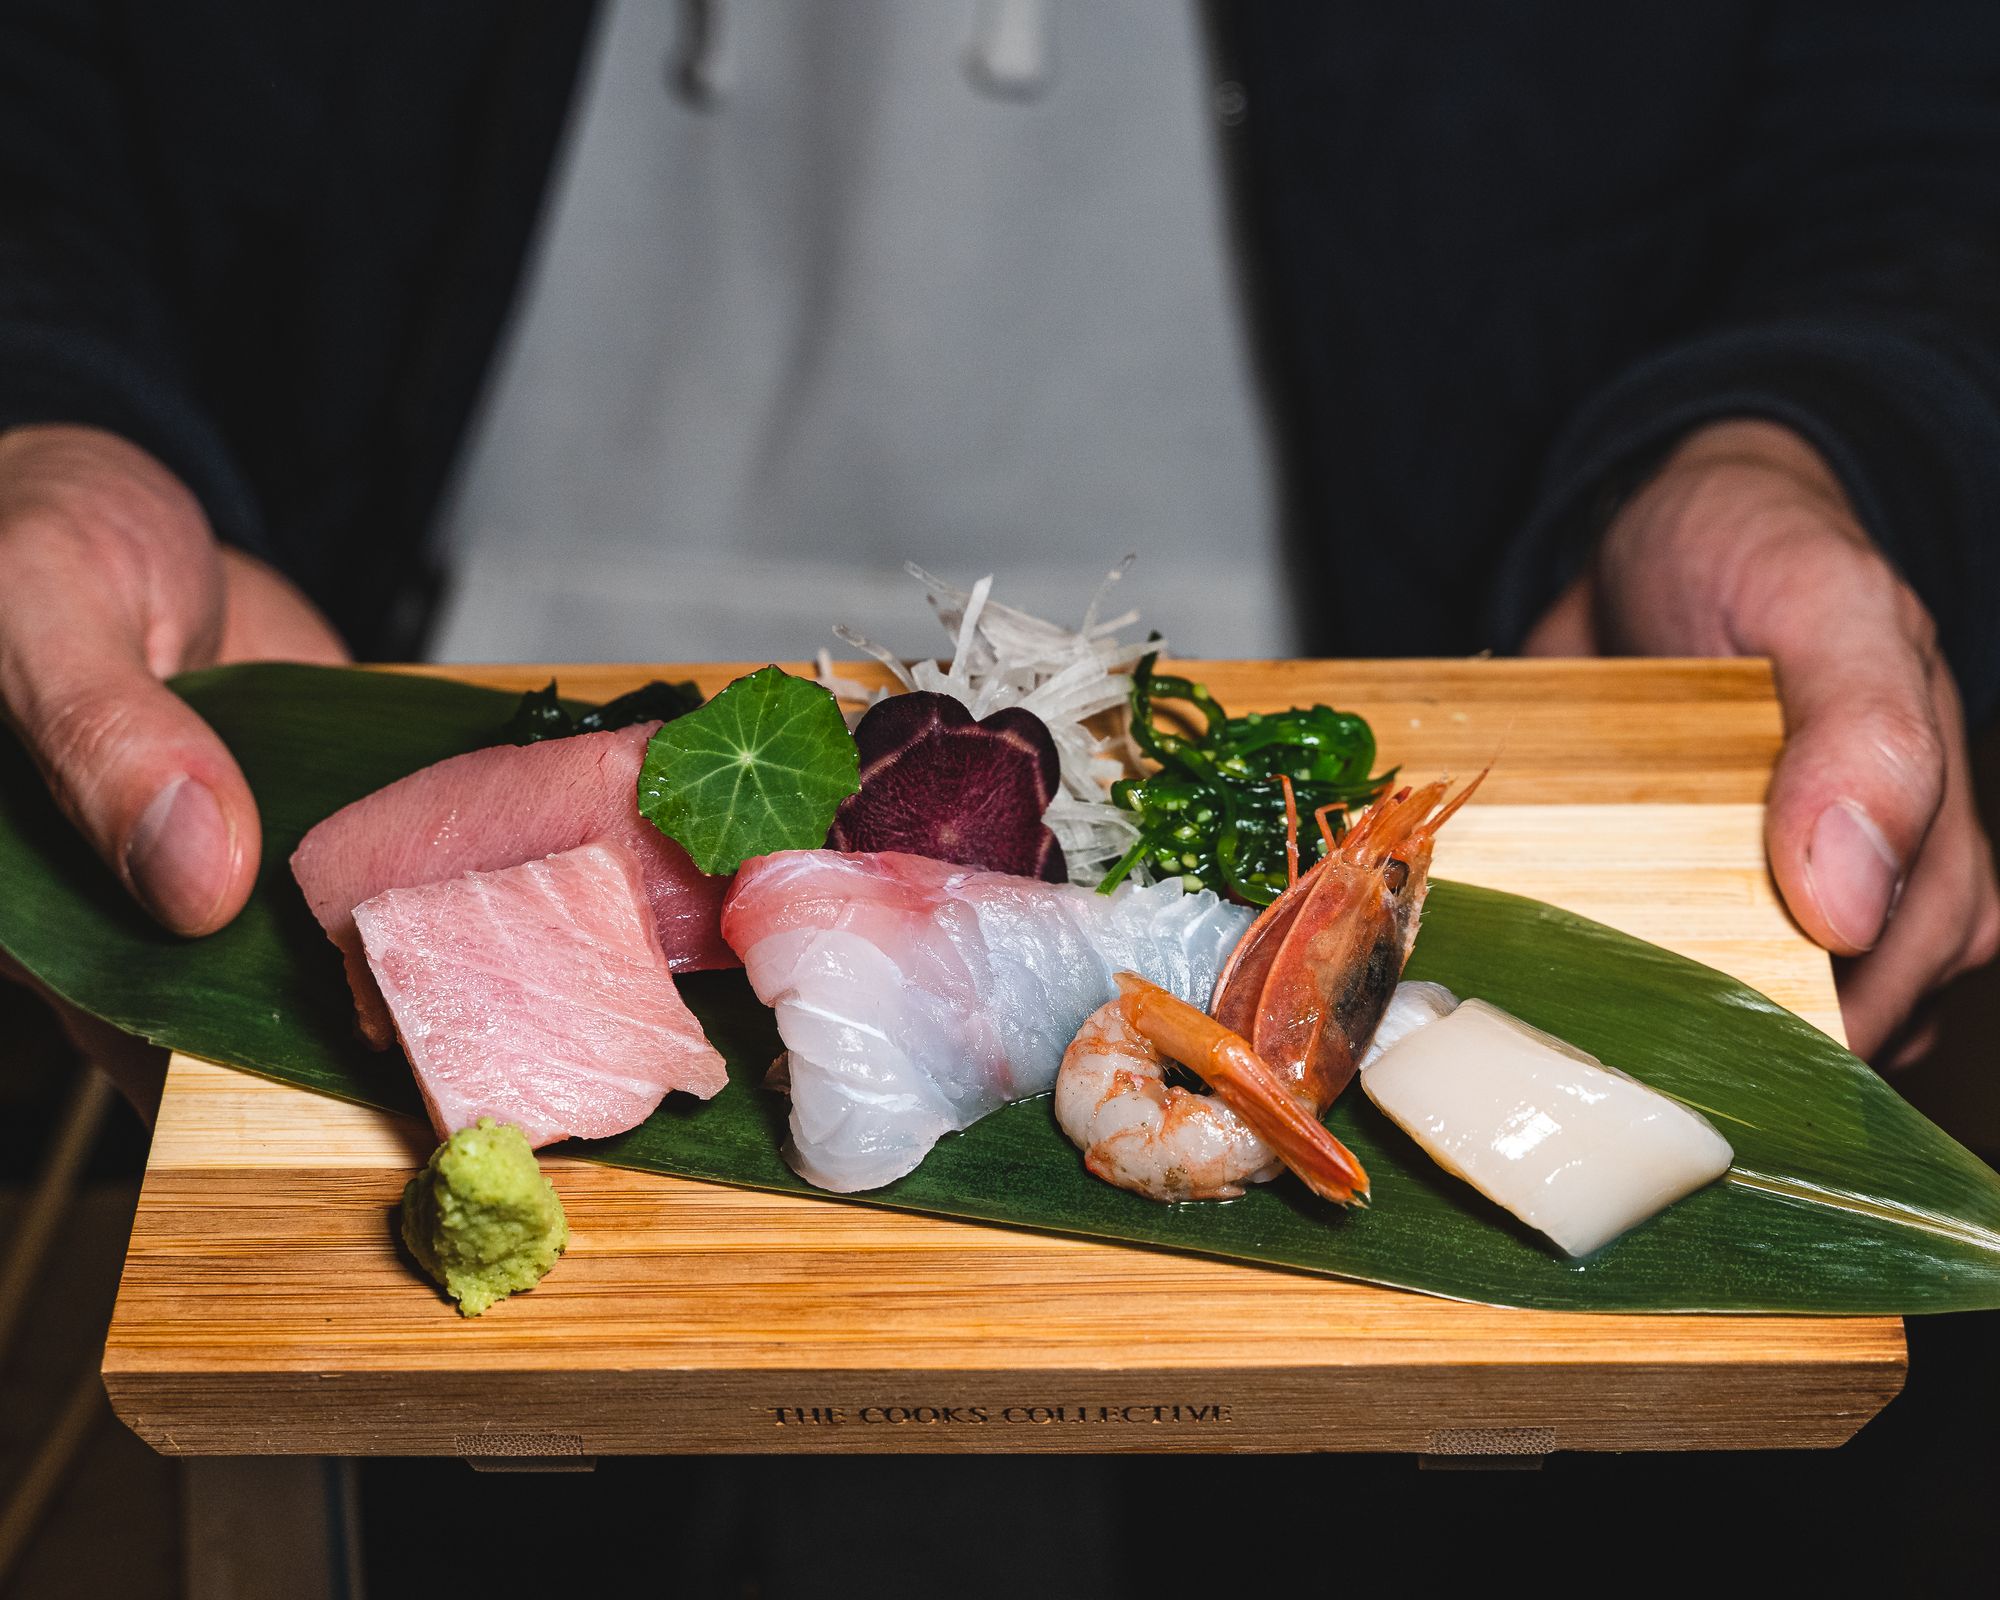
point(1140, 1132)
point(1300, 998)
point(1309, 981)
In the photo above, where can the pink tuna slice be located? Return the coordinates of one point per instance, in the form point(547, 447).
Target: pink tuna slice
point(537, 995)
point(498, 808)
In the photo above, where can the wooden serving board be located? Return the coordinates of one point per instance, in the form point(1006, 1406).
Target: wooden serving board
point(264, 1306)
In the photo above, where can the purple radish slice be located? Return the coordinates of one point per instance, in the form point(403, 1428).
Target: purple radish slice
point(936, 783)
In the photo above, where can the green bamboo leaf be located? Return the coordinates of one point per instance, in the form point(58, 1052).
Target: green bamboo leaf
point(1844, 1199)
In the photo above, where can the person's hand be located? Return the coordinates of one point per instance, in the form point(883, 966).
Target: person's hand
point(109, 581)
point(1744, 544)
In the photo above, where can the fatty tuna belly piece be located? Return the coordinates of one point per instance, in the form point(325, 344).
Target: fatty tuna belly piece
point(497, 808)
point(915, 996)
point(537, 995)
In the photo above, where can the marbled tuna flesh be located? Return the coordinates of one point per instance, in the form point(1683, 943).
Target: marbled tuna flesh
point(497, 808)
point(537, 995)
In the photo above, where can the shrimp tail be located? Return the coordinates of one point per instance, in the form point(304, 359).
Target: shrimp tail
point(1246, 1084)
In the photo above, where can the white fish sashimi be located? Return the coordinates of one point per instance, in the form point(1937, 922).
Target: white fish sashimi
point(915, 996)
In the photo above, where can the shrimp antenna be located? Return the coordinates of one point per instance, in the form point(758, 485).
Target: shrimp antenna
point(1500, 749)
point(1465, 794)
point(1439, 817)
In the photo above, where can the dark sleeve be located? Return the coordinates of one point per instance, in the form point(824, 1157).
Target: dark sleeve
point(1856, 299)
point(86, 335)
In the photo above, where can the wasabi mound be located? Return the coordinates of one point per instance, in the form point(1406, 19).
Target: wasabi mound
point(481, 1219)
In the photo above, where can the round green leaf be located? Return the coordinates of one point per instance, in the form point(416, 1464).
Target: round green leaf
point(762, 767)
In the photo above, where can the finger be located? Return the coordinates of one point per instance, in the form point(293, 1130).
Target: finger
point(1911, 1045)
point(266, 618)
point(148, 784)
point(1862, 772)
point(1918, 952)
point(1569, 626)
point(140, 775)
point(1947, 922)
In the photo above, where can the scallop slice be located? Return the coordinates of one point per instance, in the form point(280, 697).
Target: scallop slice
point(1571, 1147)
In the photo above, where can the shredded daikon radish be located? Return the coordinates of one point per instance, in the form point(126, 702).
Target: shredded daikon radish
point(1003, 657)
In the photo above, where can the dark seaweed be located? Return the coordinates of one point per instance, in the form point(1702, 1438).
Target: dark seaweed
point(1214, 814)
point(543, 715)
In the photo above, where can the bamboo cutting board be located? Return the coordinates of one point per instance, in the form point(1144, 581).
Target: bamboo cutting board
point(264, 1306)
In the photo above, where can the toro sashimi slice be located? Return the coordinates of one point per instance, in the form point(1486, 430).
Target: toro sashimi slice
point(498, 808)
point(537, 995)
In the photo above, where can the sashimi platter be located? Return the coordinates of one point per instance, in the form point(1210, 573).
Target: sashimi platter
point(1039, 933)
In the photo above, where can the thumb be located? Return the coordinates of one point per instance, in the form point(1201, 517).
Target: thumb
point(1863, 767)
point(145, 781)
point(109, 580)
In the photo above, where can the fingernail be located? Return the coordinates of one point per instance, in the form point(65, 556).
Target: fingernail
point(1853, 873)
point(179, 855)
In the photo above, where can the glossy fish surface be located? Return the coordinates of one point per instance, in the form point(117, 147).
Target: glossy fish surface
point(537, 995)
point(497, 808)
point(915, 996)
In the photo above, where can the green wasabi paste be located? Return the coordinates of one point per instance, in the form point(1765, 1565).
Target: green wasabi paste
point(481, 1219)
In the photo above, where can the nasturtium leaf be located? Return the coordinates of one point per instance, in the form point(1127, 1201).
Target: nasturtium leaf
point(761, 767)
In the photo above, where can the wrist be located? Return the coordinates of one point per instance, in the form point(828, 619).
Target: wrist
point(1760, 463)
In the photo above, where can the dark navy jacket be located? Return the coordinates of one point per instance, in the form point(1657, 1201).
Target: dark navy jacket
point(1502, 255)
